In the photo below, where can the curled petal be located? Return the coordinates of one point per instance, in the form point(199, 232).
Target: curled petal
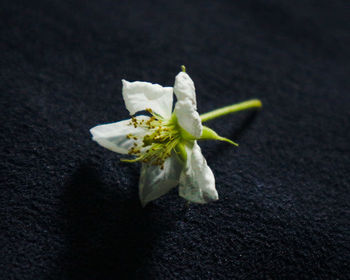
point(114, 136)
point(139, 96)
point(155, 182)
point(188, 118)
point(184, 88)
point(197, 182)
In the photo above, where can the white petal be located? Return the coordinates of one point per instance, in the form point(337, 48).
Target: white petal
point(188, 118)
point(184, 88)
point(197, 182)
point(139, 96)
point(155, 182)
point(113, 136)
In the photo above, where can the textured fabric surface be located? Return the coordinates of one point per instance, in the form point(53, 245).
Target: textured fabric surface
point(69, 209)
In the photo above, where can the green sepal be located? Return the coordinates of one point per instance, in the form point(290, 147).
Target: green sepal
point(186, 135)
point(181, 151)
point(209, 134)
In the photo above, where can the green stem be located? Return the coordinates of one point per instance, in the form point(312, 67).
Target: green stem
point(254, 103)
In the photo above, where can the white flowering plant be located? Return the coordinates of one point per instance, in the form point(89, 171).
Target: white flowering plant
point(165, 140)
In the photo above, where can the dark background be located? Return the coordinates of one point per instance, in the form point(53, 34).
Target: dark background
point(69, 208)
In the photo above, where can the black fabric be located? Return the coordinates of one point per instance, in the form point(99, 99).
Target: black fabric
point(70, 209)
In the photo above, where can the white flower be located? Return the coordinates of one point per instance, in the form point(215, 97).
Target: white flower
point(165, 143)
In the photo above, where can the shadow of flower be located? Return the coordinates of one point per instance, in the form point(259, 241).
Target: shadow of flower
point(108, 236)
point(235, 135)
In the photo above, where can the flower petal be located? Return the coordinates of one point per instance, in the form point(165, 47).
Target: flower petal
point(188, 118)
point(184, 88)
point(155, 182)
point(139, 96)
point(197, 182)
point(113, 136)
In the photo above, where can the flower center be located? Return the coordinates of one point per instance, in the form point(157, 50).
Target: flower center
point(156, 146)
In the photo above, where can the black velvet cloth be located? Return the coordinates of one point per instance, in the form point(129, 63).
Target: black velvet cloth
point(70, 209)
